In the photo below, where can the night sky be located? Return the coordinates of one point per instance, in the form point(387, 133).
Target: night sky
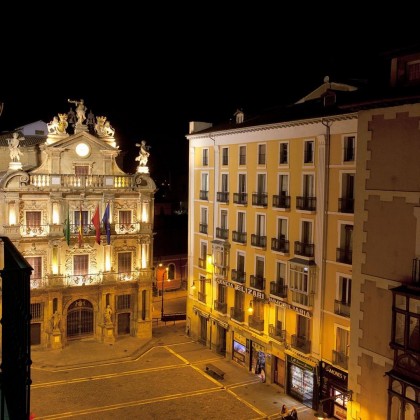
point(152, 73)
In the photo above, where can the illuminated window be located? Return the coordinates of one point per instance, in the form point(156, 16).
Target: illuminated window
point(81, 265)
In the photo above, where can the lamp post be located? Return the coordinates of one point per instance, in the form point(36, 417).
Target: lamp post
point(163, 284)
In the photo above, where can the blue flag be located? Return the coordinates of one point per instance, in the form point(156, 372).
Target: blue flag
point(107, 226)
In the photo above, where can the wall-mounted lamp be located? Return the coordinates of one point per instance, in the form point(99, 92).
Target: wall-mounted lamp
point(192, 287)
point(251, 308)
point(321, 414)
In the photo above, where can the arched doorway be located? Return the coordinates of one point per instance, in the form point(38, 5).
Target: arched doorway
point(80, 319)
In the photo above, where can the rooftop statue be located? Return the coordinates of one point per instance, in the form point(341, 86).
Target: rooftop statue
point(14, 148)
point(143, 153)
point(80, 110)
point(103, 127)
point(58, 125)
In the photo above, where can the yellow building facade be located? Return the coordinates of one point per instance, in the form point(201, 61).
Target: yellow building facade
point(84, 226)
point(271, 211)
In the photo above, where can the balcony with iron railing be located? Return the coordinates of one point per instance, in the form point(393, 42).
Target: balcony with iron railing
point(74, 280)
point(344, 255)
point(237, 314)
point(32, 231)
point(301, 344)
point(204, 195)
point(280, 245)
point(238, 276)
point(220, 307)
point(346, 205)
point(202, 262)
point(304, 249)
point(55, 181)
point(259, 199)
point(203, 228)
point(256, 323)
point(240, 198)
point(222, 197)
point(342, 308)
point(281, 201)
point(277, 333)
point(239, 237)
point(258, 240)
point(278, 288)
point(306, 203)
point(340, 359)
point(257, 282)
point(222, 233)
point(202, 297)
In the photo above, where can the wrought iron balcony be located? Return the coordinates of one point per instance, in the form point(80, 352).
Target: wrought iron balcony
point(237, 314)
point(257, 282)
point(306, 250)
point(280, 245)
point(204, 195)
point(340, 359)
point(222, 197)
point(306, 203)
point(202, 297)
point(256, 323)
point(222, 233)
point(202, 262)
point(239, 237)
point(220, 306)
point(259, 241)
point(346, 205)
point(240, 198)
point(281, 201)
point(341, 308)
point(259, 199)
point(301, 344)
point(276, 333)
point(74, 280)
point(278, 288)
point(344, 255)
point(238, 276)
point(203, 227)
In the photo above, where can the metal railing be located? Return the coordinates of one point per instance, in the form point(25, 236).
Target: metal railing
point(281, 201)
point(258, 240)
point(256, 323)
point(238, 276)
point(240, 198)
point(257, 282)
point(304, 249)
point(301, 344)
point(259, 199)
point(239, 237)
point(280, 245)
point(306, 203)
point(344, 255)
point(277, 288)
point(222, 197)
point(237, 314)
point(340, 359)
point(222, 233)
point(220, 306)
point(346, 205)
point(341, 308)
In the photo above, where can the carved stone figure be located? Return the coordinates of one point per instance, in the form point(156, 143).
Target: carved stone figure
point(80, 110)
point(14, 148)
point(103, 127)
point(56, 320)
point(108, 315)
point(143, 153)
point(53, 126)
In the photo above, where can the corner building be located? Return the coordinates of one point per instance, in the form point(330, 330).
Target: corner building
point(61, 195)
point(271, 211)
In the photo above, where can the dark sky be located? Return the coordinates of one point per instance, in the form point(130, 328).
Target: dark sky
point(150, 73)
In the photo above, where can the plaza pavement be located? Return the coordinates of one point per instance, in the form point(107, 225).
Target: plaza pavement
point(269, 398)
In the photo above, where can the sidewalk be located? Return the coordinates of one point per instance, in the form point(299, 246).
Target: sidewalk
point(269, 398)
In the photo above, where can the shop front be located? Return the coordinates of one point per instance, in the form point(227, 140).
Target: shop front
point(334, 384)
point(301, 380)
point(239, 349)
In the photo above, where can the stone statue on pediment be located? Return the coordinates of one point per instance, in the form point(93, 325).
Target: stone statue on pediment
point(103, 127)
point(14, 143)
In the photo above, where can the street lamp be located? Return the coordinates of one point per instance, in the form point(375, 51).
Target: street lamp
point(163, 284)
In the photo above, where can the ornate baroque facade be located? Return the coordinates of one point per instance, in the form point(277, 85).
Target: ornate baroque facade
point(84, 226)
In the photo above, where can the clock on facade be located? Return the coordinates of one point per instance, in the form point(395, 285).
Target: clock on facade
point(82, 149)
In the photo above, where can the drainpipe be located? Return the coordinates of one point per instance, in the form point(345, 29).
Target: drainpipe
point(327, 125)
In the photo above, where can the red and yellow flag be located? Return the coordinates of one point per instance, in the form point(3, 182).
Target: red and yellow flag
point(97, 225)
point(80, 227)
